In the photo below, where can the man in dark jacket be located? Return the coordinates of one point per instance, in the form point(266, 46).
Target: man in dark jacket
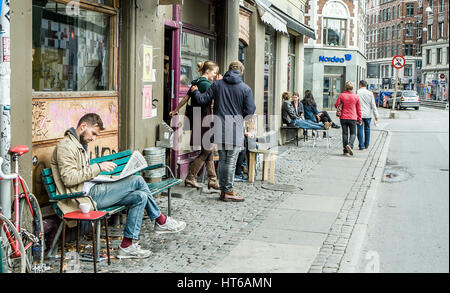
point(233, 102)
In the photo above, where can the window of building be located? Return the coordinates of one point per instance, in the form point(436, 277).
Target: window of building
point(393, 51)
point(196, 48)
point(409, 30)
point(269, 75)
point(441, 30)
point(430, 32)
point(73, 51)
point(388, 33)
point(393, 12)
point(428, 57)
point(438, 56)
point(291, 64)
point(408, 50)
point(441, 5)
point(409, 9)
point(334, 32)
point(393, 32)
point(399, 11)
point(408, 70)
point(399, 31)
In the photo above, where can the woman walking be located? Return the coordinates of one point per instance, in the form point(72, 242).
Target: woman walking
point(350, 115)
point(209, 71)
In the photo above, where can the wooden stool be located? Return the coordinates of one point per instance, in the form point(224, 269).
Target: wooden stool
point(268, 165)
point(92, 217)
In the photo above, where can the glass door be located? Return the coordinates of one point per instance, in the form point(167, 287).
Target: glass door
point(332, 87)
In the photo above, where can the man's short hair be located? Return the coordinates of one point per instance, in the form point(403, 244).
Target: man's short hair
point(363, 83)
point(236, 65)
point(92, 120)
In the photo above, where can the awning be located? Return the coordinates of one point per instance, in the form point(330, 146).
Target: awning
point(269, 17)
point(294, 24)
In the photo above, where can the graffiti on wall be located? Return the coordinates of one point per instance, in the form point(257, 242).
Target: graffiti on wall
point(51, 118)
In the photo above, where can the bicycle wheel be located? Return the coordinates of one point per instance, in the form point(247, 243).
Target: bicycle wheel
point(32, 231)
point(10, 262)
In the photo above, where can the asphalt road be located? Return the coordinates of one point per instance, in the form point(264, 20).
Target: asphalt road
point(408, 230)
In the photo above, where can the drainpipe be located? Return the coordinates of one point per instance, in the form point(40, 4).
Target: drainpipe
point(5, 105)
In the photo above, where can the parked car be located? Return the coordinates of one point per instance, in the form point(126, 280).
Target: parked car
point(405, 99)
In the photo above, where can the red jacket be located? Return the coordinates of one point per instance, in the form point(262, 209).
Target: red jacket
point(351, 107)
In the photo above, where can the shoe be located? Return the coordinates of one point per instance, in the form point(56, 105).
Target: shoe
point(349, 149)
point(231, 196)
point(170, 226)
point(334, 125)
point(326, 125)
point(347, 155)
point(133, 251)
point(194, 168)
point(240, 178)
point(211, 170)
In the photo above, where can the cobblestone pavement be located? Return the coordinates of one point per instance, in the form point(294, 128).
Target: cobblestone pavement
point(214, 227)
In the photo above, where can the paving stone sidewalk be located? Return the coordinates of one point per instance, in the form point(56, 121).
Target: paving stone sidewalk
point(215, 228)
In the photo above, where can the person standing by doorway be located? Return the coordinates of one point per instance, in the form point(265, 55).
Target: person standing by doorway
point(233, 102)
point(209, 71)
point(350, 116)
point(368, 108)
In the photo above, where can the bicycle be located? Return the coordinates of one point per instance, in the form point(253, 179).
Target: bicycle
point(12, 252)
point(27, 216)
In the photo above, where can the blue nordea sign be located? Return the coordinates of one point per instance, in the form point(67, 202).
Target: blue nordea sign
point(335, 59)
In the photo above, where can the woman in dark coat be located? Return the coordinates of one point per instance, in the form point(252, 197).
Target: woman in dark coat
point(311, 113)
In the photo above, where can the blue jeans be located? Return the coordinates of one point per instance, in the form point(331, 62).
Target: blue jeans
point(307, 124)
point(228, 156)
point(364, 133)
point(132, 192)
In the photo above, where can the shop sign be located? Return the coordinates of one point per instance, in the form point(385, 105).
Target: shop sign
point(335, 59)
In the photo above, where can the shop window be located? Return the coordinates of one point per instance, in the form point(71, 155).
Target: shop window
point(194, 48)
point(334, 32)
point(269, 76)
point(72, 48)
point(291, 64)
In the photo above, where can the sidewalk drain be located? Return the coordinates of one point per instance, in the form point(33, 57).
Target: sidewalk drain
point(392, 175)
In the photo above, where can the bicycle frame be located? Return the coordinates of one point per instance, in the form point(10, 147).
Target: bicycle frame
point(16, 180)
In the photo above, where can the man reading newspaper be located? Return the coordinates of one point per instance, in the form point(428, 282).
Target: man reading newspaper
point(72, 173)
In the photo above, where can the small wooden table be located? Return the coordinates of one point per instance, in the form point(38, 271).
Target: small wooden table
point(268, 165)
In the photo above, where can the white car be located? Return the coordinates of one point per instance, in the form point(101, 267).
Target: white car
point(405, 99)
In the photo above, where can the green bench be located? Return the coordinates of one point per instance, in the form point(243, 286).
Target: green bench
point(121, 160)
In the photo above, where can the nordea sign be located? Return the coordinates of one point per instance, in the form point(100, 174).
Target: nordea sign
point(335, 59)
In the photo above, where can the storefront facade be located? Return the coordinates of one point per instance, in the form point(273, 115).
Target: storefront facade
point(338, 54)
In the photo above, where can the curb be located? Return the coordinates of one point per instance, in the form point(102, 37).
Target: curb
point(352, 255)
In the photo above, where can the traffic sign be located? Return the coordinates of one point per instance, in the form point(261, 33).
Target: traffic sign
point(442, 76)
point(398, 61)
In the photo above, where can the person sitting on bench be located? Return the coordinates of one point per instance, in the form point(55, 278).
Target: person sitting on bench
point(312, 114)
point(291, 118)
point(72, 173)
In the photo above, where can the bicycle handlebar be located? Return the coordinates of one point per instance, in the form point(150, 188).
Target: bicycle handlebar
point(4, 176)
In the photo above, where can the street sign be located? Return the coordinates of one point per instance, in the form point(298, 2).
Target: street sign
point(398, 62)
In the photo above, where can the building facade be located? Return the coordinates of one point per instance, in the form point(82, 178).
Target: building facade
point(394, 27)
point(435, 50)
point(132, 61)
point(338, 54)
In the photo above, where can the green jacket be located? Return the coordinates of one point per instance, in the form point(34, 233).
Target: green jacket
point(70, 168)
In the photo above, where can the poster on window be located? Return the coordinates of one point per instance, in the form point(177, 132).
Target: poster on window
point(147, 102)
point(147, 64)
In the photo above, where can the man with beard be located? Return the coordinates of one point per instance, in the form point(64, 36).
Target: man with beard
point(73, 173)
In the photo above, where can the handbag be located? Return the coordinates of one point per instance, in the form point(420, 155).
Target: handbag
point(339, 110)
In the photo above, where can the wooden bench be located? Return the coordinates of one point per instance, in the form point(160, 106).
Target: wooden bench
point(121, 160)
point(286, 128)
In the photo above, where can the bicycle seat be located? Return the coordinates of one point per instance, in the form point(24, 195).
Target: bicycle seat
point(20, 150)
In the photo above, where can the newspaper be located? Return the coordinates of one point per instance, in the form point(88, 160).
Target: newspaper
point(136, 163)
